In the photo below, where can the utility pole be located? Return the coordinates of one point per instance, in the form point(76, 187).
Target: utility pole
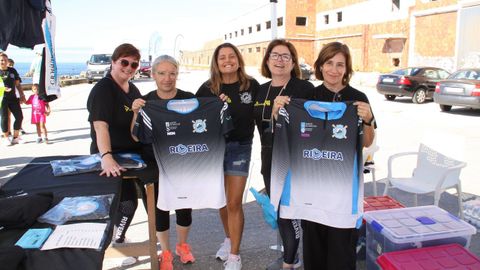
point(273, 20)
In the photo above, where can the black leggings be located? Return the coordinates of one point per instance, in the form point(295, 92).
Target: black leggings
point(127, 206)
point(14, 107)
point(162, 218)
point(289, 229)
point(326, 247)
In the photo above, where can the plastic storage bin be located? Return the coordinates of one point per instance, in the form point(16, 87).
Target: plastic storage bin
point(416, 227)
point(451, 256)
point(373, 203)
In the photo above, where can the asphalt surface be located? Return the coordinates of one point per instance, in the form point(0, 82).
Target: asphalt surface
point(402, 126)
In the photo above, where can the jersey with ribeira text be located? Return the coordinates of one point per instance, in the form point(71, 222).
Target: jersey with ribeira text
point(189, 145)
point(316, 163)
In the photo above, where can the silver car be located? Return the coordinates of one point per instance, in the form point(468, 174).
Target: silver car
point(462, 88)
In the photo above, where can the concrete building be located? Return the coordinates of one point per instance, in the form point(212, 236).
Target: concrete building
point(382, 34)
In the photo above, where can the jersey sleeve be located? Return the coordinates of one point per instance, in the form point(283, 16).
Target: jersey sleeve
point(226, 119)
point(143, 128)
point(280, 159)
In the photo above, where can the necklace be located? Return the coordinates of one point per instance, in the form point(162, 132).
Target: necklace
point(266, 97)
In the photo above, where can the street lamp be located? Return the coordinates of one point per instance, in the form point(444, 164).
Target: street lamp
point(175, 49)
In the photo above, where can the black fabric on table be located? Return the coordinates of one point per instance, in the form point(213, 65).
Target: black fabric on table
point(21, 212)
point(12, 258)
point(37, 177)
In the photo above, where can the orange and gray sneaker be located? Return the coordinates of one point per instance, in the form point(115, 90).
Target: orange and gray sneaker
point(166, 260)
point(183, 250)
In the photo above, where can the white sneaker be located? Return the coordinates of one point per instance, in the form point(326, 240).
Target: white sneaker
point(224, 250)
point(6, 142)
point(18, 140)
point(129, 261)
point(233, 263)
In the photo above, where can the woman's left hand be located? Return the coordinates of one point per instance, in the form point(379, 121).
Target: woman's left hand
point(364, 111)
point(223, 97)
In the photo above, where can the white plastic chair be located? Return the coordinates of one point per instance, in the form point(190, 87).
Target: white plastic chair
point(434, 172)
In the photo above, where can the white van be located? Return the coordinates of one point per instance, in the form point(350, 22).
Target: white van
point(98, 66)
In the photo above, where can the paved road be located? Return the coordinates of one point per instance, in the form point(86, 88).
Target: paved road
point(402, 126)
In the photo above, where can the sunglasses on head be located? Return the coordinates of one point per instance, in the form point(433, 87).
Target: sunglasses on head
point(125, 63)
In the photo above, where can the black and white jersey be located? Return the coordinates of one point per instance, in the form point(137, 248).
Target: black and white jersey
point(189, 145)
point(316, 163)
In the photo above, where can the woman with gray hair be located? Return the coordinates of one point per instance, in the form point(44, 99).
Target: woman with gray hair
point(165, 73)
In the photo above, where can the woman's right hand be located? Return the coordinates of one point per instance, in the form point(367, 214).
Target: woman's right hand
point(138, 104)
point(279, 102)
point(110, 167)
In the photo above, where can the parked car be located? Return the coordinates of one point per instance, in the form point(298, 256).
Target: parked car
point(462, 88)
point(98, 66)
point(145, 69)
point(306, 71)
point(415, 82)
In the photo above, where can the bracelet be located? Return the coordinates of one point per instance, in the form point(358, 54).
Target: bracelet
point(106, 153)
point(369, 123)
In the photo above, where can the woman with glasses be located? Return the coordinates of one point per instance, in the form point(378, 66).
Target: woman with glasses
point(165, 73)
point(229, 81)
point(326, 246)
point(110, 114)
point(281, 65)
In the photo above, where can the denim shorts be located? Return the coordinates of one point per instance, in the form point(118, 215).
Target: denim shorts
point(237, 158)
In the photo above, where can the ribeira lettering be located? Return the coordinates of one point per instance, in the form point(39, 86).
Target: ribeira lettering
point(182, 149)
point(316, 154)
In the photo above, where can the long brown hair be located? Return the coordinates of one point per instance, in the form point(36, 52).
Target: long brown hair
point(215, 80)
point(328, 51)
point(295, 73)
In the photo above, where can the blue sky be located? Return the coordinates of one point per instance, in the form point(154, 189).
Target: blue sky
point(88, 26)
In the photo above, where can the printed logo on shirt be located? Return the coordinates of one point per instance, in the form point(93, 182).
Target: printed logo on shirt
point(127, 109)
point(199, 126)
point(171, 127)
point(316, 154)
point(245, 98)
point(182, 149)
point(266, 103)
point(339, 131)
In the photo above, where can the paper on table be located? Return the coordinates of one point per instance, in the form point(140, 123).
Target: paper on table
point(78, 235)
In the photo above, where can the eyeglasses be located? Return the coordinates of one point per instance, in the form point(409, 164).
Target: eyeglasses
point(285, 57)
point(125, 63)
point(337, 97)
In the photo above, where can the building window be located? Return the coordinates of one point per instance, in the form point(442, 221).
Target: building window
point(236, 33)
point(250, 30)
point(249, 50)
point(242, 32)
point(230, 35)
point(326, 18)
point(257, 49)
point(268, 24)
point(395, 5)
point(301, 21)
point(280, 21)
point(259, 27)
point(339, 16)
point(225, 36)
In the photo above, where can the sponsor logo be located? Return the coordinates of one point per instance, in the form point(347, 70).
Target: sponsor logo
point(339, 131)
point(306, 128)
point(245, 98)
point(199, 126)
point(182, 149)
point(316, 154)
point(170, 128)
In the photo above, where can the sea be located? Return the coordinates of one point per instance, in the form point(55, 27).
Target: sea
point(69, 69)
